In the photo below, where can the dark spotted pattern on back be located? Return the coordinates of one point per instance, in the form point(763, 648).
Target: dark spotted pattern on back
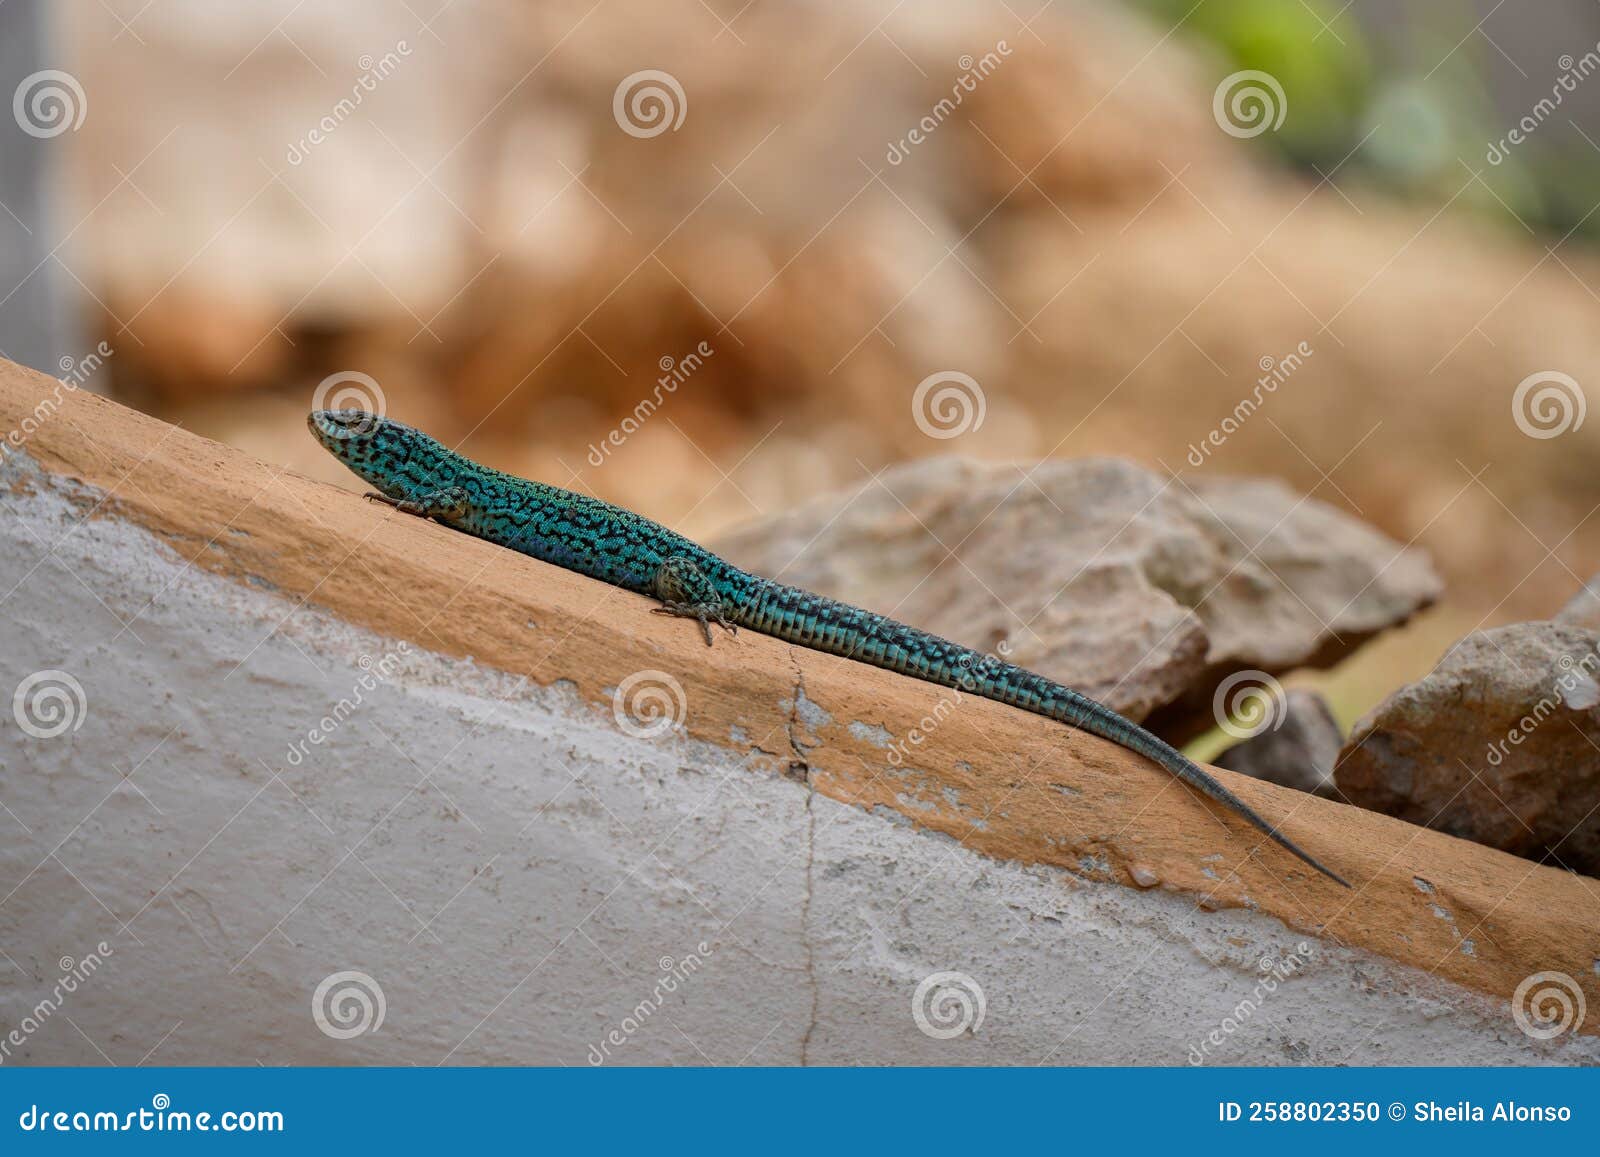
point(619, 547)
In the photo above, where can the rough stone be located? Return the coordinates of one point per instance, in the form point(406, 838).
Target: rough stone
point(1141, 591)
point(1497, 745)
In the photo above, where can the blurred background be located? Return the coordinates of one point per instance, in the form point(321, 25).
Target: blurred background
point(696, 256)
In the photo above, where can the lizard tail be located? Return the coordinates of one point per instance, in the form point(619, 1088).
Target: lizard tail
point(821, 623)
point(1087, 715)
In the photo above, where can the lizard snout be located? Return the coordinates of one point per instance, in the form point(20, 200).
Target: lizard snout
point(332, 427)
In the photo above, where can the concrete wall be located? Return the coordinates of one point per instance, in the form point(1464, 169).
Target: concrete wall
point(521, 878)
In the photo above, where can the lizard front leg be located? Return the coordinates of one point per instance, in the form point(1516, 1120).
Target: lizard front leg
point(444, 505)
point(685, 592)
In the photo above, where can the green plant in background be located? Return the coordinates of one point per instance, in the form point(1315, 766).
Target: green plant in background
point(1318, 55)
point(1409, 92)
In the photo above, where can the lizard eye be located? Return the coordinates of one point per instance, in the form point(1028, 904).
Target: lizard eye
point(346, 423)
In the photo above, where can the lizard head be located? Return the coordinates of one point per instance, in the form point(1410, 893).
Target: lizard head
point(381, 451)
point(335, 428)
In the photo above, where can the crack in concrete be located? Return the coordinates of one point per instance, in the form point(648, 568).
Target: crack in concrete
point(802, 763)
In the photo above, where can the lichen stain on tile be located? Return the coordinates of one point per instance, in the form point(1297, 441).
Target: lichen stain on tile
point(873, 733)
point(812, 714)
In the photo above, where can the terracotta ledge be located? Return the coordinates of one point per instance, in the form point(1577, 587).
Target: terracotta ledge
point(1000, 781)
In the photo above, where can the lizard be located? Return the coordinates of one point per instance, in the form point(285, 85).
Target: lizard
point(418, 475)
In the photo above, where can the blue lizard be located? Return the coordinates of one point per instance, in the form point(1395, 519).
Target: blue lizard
point(418, 475)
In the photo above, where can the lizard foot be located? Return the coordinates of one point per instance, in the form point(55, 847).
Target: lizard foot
point(706, 613)
point(686, 592)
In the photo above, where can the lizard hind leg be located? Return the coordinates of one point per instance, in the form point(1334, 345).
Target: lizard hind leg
point(686, 592)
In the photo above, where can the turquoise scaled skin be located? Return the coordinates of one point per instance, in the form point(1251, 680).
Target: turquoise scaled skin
point(420, 476)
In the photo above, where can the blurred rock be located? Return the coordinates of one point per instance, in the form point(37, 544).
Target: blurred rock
point(1139, 591)
point(1583, 609)
point(1300, 752)
point(484, 215)
point(196, 344)
point(1497, 745)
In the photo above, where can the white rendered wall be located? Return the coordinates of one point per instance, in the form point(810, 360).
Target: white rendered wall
point(517, 875)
